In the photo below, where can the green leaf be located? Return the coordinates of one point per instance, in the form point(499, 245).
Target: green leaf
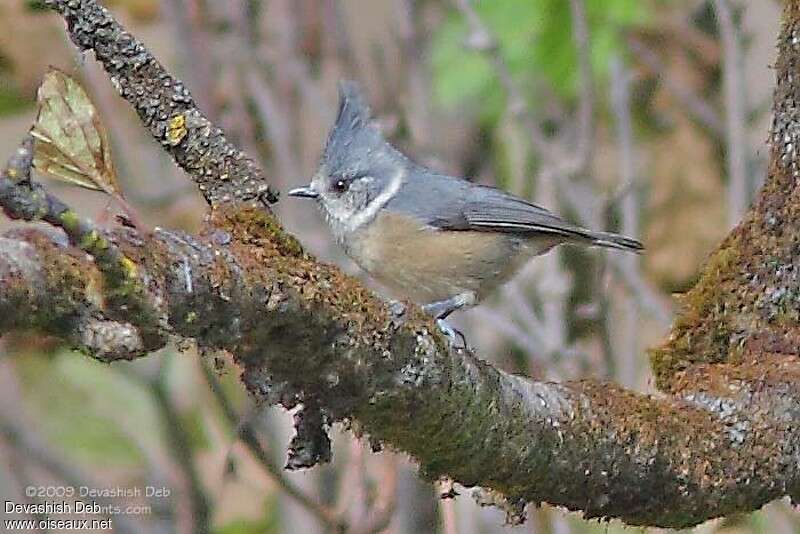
point(77, 404)
point(268, 524)
point(535, 38)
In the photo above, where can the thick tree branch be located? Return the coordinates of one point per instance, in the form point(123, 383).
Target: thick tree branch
point(723, 439)
point(301, 330)
point(125, 290)
point(222, 172)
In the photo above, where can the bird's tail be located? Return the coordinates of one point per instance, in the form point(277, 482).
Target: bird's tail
point(609, 240)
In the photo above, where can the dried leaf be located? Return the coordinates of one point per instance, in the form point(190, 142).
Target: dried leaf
point(71, 143)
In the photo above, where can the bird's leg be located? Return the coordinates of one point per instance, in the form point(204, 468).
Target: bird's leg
point(454, 336)
point(397, 308)
point(441, 309)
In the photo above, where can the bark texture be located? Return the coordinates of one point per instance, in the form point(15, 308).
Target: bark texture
point(723, 437)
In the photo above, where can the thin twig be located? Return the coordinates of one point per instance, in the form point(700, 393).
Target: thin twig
point(16, 430)
point(559, 168)
point(735, 112)
point(248, 436)
point(628, 346)
point(274, 121)
point(697, 106)
point(585, 134)
point(179, 444)
point(482, 40)
point(382, 511)
point(413, 43)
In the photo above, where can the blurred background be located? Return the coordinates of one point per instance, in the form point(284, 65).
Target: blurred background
point(644, 117)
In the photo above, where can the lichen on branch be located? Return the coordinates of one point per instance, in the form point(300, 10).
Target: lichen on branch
point(223, 173)
point(723, 437)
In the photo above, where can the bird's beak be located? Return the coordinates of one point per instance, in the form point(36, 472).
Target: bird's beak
point(305, 192)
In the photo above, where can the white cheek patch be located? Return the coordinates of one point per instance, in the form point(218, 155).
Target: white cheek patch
point(336, 213)
point(370, 211)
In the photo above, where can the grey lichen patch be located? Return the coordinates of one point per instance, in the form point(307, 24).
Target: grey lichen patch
point(109, 340)
point(728, 410)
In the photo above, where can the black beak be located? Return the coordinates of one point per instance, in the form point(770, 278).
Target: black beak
point(305, 192)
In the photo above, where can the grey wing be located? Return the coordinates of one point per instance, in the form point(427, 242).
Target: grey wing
point(454, 204)
point(495, 210)
point(433, 199)
point(491, 209)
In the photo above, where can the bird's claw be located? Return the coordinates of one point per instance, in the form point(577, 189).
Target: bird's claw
point(455, 337)
point(397, 308)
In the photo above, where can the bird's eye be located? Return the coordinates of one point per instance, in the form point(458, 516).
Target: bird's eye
point(341, 185)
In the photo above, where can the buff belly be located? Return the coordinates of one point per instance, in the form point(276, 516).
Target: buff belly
point(425, 264)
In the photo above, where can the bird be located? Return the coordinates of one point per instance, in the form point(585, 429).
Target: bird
point(440, 241)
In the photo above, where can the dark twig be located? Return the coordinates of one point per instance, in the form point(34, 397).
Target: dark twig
point(697, 107)
point(584, 146)
point(21, 438)
point(247, 434)
point(482, 40)
point(222, 172)
point(628, 347)
point(557, 167)
point(179, 445)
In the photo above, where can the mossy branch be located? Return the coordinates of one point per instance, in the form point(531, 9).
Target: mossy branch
point(722, 439)
point(125, 292)
point(724, 442)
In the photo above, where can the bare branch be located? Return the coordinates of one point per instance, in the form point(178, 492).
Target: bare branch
point(481, 39)
point(697, 107)
point(179, 446)
point(584, 146)
point(22, 438)
point(559, 167)
point(247, 434)
point(620, 96)
point(735, 112)
point(222, 172)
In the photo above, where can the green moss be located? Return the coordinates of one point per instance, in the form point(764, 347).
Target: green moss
point(702, 328)
point(70, 286)
point(257, 227)
point(70, 220)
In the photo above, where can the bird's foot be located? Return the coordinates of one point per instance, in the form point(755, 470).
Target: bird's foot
point(397, 308)
point(455, 337)
point(397, 313)
point(442, 308)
